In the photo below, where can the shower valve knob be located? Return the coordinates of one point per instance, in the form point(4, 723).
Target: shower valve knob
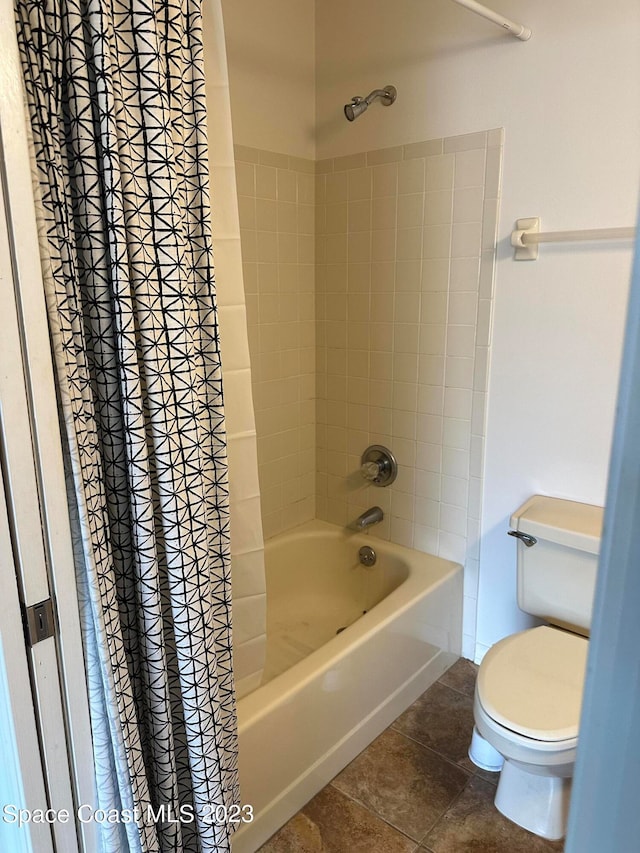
point(378, 465)
point(370, 470)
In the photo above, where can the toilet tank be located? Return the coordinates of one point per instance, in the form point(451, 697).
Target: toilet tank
point(557, 575)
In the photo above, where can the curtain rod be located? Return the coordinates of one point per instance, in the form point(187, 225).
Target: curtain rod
point(527, 236)
point(518, 30)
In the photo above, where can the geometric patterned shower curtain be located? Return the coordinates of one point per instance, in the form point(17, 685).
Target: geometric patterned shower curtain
point(115, 97)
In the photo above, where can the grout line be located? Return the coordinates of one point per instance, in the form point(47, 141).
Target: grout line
point(419, 844)
point(455, 689)
point(449, 761)
point(372, 811)
point(448, 809)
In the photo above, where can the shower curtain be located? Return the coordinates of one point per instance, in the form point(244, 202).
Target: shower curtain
point(115, 96)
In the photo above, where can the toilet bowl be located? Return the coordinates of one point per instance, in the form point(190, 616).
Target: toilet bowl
point(527, 707)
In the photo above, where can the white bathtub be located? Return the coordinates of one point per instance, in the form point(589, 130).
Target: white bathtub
point(325, 696)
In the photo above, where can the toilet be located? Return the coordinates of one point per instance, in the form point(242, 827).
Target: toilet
point(529, 687)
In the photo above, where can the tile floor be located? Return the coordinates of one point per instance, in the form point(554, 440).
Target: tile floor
point(412, 789)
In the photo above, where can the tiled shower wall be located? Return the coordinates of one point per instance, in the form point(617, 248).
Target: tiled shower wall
point(276, 198)
point(247, 547)
point(405, 260)
point(375, 331)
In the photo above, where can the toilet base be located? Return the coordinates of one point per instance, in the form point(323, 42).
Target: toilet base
point(537, 803)
point(483, 754)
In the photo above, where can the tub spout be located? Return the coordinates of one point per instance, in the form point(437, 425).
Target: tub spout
point(371, 516)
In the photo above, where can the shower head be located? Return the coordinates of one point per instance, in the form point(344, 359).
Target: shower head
point(360, 105)
point(357, 106)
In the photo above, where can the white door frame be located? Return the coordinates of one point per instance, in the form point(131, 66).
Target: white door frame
point(33, 468)
point(22, 782)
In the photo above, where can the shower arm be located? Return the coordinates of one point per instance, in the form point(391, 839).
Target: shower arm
point(383, 94)
point(386, 95)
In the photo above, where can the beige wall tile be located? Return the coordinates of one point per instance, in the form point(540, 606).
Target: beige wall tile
point(302, 164)
point(463, 307)
point(286, 187)
point(350, 162)
point(266, 184)
point(383, 212)
point(469, 168)
point(435, 274)
point(271, 158)
point(431, 369)
point(409, 244)
point(465, 239)
point(423, 149)
point(245, 180)
point(468, 204)
point(406, 337)
point(359, 184)
point(383, 277)
point(411, 210)
point(385, 181)
point(440, 172)
point(433, 308)
point(461, 341)
point(266, 215)
point(324, 166)
point(466, 142)
point(383, 291)
point(245, 154)
point(336, 218)
point(408, 275)
point(384, 155)
point(433, 338)
point(337, 188)
point(359, 276)
point(359, 247)
point(306, 188)
point(464, 274)
point(411, 176)
point(247, 211)
point(383, 244)
point(359, 215)
point(436, 241)
point(287, 217)
point(438, 207)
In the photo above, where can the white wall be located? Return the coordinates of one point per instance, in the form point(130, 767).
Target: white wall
point(568, 102)
point(271, 50)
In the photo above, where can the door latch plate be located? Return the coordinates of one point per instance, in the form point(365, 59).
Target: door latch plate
point(39, 622)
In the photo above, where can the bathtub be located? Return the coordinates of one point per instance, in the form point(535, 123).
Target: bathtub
point(348, 649)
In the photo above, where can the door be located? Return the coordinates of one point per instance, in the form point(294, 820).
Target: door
point(22, 781)
point(40, 559)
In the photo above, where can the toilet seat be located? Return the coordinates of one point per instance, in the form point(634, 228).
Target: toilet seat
point(540, 756)
point(531, 684)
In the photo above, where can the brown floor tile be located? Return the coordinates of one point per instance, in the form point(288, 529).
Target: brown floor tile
point(461, 676)
point(403, 782)
point(333, 823)
point(299, 835)
point(474, 825)
point(467, 764)
point(441, 719)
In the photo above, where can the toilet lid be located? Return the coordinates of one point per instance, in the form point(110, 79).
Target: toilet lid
point(532, 683)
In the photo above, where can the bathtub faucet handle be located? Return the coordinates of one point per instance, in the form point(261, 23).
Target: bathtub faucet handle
point(370, 470)
point(378, 465)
